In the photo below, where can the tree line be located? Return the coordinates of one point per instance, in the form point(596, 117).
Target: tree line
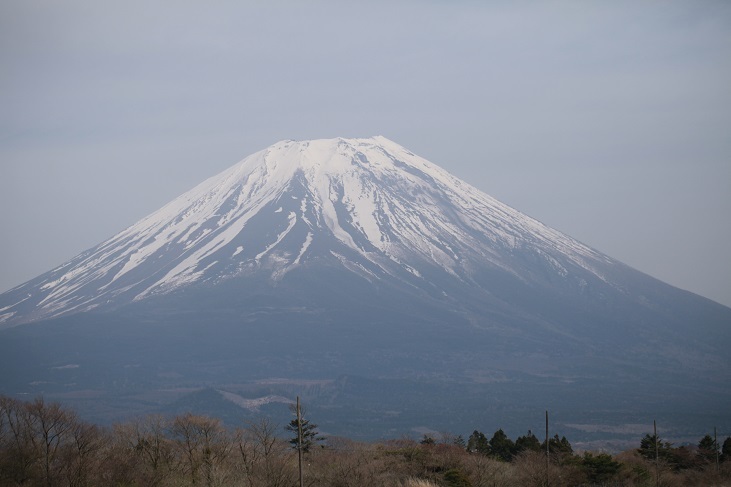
point(44, 444)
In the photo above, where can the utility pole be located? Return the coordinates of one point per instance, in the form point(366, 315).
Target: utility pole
point(548, 449)
point(657, 454)
point(715, 447)
point(299, 441)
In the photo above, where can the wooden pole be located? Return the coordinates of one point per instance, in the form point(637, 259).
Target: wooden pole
point(548, 449)
point(715, 447)
point(299, 441)
point(657, 453)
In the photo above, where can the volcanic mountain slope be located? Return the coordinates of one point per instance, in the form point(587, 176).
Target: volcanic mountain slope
point(368, 204)
point(380, 263)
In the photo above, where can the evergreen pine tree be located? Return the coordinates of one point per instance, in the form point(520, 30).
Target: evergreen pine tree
point(726, 450)
point(502, 447)
point(647, 447)
point(477, 443)
point(599, 468)
point(310, 435)
point(527, 442)
point(707, 449)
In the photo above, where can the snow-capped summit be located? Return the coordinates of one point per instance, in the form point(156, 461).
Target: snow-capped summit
point(367, 277)
point(369, 203)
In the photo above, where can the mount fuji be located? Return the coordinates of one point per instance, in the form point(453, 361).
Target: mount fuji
point(360, 275)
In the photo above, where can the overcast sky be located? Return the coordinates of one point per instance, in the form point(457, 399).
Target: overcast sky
point(610, 121)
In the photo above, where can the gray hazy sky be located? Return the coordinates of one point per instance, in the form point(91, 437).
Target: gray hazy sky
point(610, 121)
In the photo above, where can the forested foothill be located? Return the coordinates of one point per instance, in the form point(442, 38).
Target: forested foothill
point(45, 444)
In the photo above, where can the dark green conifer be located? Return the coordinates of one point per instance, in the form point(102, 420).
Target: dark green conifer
point(527, 442)
point(310, 435)
point(477, 443)
point(502, 447)
point(707, 449)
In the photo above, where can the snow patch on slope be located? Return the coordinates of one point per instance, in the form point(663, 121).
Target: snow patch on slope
point(253, 404)
point(292, 221)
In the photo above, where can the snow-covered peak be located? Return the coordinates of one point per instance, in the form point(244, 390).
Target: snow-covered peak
point(368, 203)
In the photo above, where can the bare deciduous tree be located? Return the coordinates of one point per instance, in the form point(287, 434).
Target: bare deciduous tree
point(19, 457)
point(50, 428)
point(82, 454)
point(204, 445)
point(266, 460)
